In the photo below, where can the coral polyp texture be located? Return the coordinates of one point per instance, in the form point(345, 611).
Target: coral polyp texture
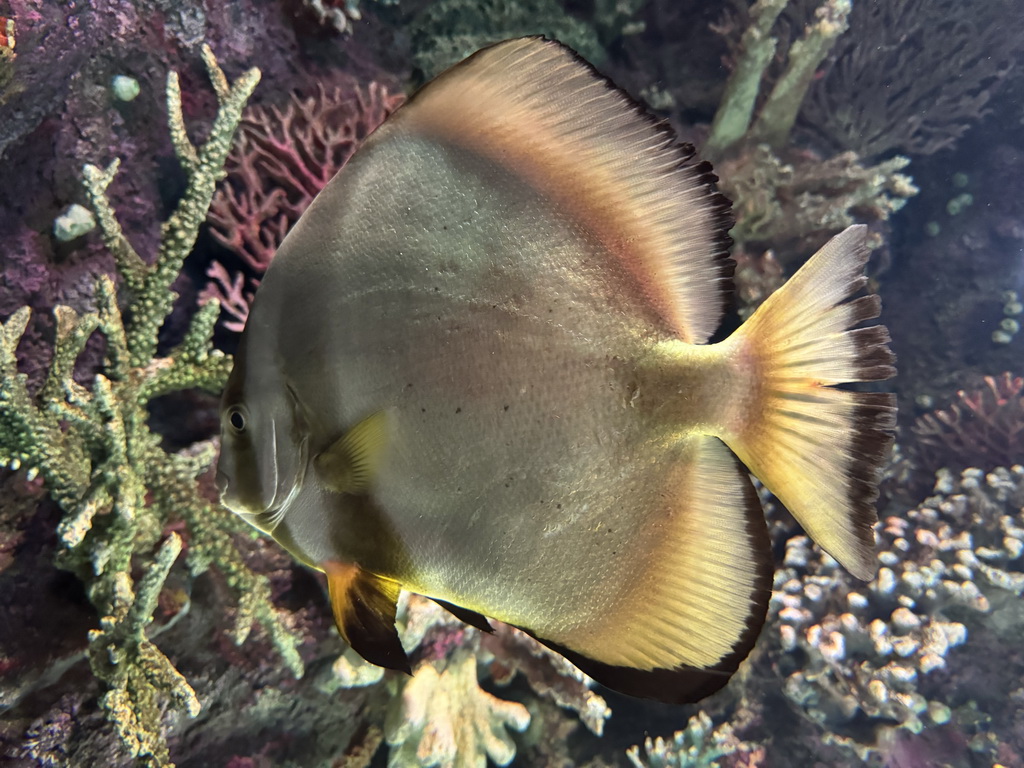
point(282, 158)
point(875, 663)
point(96, 455)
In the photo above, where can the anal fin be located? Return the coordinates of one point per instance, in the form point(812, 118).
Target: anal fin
point(364, 606)
point(693, 612)
point(466, 616)
point(681, 685)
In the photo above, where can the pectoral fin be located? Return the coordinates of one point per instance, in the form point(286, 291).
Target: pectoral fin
point(349, 464)
point(364, 608)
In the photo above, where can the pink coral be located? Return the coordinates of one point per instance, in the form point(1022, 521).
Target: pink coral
point(985, 427)
point(282, 159)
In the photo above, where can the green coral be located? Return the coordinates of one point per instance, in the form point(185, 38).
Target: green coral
point(100, 461)
point(757, 48)
point(447, 31)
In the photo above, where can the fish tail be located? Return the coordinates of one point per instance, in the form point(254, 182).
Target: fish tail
point(817, 447)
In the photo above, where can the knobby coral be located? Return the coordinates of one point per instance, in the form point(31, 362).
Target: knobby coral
point(441, 716)
point(99, 459)
point(699, 745)
point(857, 655)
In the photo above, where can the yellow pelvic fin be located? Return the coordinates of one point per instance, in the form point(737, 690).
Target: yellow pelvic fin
point(364, 607)
point(535, 108)
point(698, 600)
point(349, 464)
point(818, 448)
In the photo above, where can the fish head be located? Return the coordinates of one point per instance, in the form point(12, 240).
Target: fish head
point(263, 454)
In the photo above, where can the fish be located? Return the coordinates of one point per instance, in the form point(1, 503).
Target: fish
point(479, 369)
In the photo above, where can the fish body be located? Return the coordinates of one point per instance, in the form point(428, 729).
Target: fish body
point(476, 369)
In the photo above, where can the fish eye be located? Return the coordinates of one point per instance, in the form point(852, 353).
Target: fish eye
point(236, 419)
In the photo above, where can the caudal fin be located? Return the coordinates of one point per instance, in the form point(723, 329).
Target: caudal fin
point(818, 448)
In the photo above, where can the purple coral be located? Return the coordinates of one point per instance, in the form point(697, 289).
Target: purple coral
point(281, 160)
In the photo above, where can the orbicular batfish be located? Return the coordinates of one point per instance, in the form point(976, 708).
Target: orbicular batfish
point(478, 369)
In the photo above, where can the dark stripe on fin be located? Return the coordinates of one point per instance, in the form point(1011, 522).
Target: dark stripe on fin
point(683, 685)
point(818, 447)
point(721, 493)
point(537, 109)
point(364, 607)
point(466, 616)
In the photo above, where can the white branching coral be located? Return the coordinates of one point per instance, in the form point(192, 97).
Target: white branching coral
point(443, 718)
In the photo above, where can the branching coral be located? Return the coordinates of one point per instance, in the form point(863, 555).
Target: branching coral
point(783, 196)
point(911, 75)
point(948, 567)
point(100, 461)
point(806, 198)
point(281, 160)
point(984, 427)
point(735, 121)
point(443, 718)
point(699, 745)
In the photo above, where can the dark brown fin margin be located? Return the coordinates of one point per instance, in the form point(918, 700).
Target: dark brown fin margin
point(698, 274)
point(466, 616)
point(684, 685)
point(817, 445)
point(722, 217)
point(364, 608)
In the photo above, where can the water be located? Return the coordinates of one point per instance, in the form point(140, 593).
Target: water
point(906, 116)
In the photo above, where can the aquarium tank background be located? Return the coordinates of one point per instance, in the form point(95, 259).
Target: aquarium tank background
point(153, 155)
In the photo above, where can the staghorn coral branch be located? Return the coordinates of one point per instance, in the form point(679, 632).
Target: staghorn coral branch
point(129, 264)
point(204, 168)
point(757, 46)
point(120, 653)
point(778, 115)
point(100, 461)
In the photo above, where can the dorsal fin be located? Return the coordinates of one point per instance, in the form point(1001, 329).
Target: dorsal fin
point(542, 113)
